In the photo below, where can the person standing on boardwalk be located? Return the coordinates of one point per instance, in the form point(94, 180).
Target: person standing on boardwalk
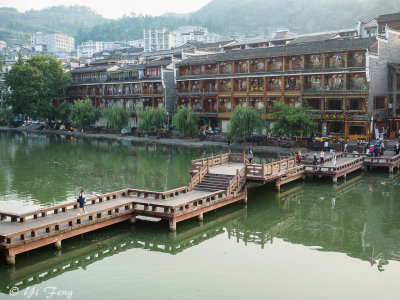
point(321, 157)
point(396, 148)
point(333, 158)
point(250, 156)
point(82, 201)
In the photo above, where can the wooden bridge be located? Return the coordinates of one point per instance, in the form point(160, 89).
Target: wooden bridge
point(215, 181)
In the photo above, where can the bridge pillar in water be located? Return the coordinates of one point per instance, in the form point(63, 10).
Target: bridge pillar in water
point(132, 220)
point(334, 179)
point(172, 225)
point(10, 259)
point(57, 245)
point(277, 185)
point(391, 170)
point(245, 200)
point(200, 217)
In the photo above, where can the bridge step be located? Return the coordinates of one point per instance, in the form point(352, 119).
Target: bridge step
point(213, 182)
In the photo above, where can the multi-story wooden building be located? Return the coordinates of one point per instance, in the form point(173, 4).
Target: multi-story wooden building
point(331, 78)
point(132, 86)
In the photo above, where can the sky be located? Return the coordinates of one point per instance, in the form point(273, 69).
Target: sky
point(116, 8)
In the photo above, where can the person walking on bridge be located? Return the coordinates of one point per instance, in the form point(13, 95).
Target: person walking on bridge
point(82, 201)
point(250, 156)
point(334, 158)
point(321, 157)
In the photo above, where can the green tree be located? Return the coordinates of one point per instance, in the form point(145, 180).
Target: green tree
point(185, 121)
point(292, 121)
point(84, 114)
point(244, 122)
point(35, 85)
point(63, 111)
point(6, 115)
point(150, 119)
point(117, 116)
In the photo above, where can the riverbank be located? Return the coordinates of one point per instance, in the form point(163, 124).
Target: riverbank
point(190, 143)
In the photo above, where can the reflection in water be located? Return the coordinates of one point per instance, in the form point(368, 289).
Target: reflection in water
point(359, 217)
point(360, 224)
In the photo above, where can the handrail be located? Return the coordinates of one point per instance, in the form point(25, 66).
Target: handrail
point(219, 159)
point(195, 179)
point(61, 208)
point(236, 182)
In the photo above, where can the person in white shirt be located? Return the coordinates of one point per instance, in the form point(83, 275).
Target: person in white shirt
point(321, 157)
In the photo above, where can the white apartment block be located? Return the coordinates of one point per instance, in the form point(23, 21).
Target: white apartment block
point(136, 43)
point(52, 42)
point(156, 39)
point(87, 49)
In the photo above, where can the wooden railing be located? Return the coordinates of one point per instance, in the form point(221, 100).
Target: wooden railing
point(383, 161)
point(263, 171)
point(61, 208)
point(197, 177)
point(334, 169)
point(219, 159)
point(237, 182)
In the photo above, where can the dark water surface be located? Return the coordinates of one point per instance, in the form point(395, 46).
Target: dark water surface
point(313, 240)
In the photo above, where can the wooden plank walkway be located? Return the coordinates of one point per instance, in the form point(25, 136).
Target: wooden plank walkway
point(230, 171)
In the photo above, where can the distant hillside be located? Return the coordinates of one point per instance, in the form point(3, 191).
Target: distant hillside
point(253, 17)
point(128, 28)
point(14, 24)
point(221, 16)
point(301, 16)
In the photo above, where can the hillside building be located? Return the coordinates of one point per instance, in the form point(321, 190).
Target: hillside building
point(52, 42)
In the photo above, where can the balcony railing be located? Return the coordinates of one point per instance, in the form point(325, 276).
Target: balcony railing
point(211, 71)
point(356, 63)
point(313, 86)
point(274, 87)
point(358, 86)
point(225, 89)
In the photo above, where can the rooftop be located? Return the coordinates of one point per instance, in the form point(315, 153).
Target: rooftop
point(332, 45)
point(389, 17)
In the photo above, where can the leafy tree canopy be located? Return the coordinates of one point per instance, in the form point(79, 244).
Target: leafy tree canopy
point(35, 85)
point(292, 121)
point(117, 116)
point(185, 121)
point(63, 111)
point(244, 122)
point(84, 114)
point(151, 119)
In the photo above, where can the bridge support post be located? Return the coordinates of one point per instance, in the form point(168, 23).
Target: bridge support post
point(10, 259)
point(278, 185)
point(391, 170)
point(245, 200)
point(172, 225)
point(334, 179)
point(200, 217)
point(132, 220)
point(57, 245)
point(345, 176)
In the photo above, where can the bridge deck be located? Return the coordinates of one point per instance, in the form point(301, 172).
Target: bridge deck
point(24, 232)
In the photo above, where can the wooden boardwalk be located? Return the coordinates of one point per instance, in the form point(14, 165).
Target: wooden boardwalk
point(215, 181)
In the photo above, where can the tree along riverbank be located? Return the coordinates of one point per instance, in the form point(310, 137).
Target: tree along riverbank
point(190, 143)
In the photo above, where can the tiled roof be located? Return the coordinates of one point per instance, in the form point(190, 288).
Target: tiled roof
point(92, 69)
point(333, 45)
point(388, 17)
point(313, 38)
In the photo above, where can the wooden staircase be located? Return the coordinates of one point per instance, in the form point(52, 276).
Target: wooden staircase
point(213, 182)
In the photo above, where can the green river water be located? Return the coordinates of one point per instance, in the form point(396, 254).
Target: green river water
point(313, 240)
